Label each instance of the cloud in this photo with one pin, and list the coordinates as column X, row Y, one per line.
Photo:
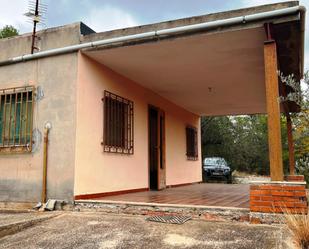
column 12, row 13
column 109, row 18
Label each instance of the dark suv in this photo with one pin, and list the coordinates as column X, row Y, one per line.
column 216, row 167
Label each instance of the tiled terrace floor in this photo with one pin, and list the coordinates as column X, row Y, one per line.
column 206, row 194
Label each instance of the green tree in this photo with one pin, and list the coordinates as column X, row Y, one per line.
column 242, row 141
column 217, row 137
column 252, row 150
column 8, row 31
column 300, row 121
column 301, row 132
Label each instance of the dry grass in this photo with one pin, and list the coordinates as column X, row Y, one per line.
column 299, row 227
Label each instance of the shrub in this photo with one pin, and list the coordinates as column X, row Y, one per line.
column 299, row 227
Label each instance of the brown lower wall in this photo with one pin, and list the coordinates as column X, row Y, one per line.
column 278, row 197
column 100, row 195
column 182, row 184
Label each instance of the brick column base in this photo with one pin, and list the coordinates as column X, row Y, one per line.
column 294, row 178
column 278, row 197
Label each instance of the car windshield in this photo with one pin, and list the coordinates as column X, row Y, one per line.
column 215, row 161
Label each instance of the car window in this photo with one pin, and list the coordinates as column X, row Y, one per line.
column 215, row 161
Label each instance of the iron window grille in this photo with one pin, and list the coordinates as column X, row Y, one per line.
column 16, row 119
column 118, row 124
column 191, row 141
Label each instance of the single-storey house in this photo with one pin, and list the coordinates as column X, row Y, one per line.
column 92, row 114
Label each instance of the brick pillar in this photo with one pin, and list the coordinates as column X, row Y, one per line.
column 278, row 197
column 294, row 178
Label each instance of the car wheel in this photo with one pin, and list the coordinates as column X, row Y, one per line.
column 229, row 178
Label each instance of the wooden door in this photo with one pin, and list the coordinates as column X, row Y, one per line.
column 157, row 169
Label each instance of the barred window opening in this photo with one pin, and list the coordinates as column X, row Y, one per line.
column 191, row 140
column 16, row 115
column 118, row 124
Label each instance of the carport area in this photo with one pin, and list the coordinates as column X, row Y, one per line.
column 204, row 194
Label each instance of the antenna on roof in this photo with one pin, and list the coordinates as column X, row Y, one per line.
column 35, row 14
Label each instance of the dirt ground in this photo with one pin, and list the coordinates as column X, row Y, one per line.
column 96, row 230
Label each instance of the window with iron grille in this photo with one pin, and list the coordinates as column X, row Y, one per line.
column 16, row 114
column 191, row 139
column 118, row 124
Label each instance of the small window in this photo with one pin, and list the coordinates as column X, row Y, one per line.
column 16, row 114
column 191, row 138
column 118, row 124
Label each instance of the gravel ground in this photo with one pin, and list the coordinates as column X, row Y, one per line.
column 95, row 230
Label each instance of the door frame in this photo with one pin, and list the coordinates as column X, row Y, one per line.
column 161, row 152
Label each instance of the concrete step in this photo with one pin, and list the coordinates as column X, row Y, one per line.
column 14, row 222
column 148, row 209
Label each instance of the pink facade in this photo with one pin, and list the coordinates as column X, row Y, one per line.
column 100, row 172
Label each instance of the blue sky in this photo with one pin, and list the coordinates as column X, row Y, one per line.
column 104, row 15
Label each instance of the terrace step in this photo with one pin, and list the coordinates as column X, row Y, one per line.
column 150, row 209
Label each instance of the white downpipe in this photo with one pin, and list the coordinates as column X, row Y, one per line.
column 158, row 33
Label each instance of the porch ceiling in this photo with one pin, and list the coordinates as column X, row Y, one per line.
column 207, row 74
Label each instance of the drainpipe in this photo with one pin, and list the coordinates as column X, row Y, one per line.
column 167, row 32
column 47, row 127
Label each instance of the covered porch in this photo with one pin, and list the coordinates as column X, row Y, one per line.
column 220, row 64
column 222, row 67
column 203, row 194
